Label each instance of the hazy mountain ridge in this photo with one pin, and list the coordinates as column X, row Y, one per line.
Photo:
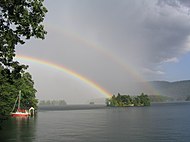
column 159, row 91
column 179, row 90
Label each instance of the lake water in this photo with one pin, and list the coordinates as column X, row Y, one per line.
column 167, row 122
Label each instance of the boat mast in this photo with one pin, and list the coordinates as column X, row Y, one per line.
column 15, row 104
column 19, row 97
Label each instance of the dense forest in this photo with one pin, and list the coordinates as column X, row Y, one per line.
column 126, row 100
column 20, row 20
column 10, row 85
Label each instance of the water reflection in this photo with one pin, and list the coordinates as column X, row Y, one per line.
column 19, row 129
column 160, row 122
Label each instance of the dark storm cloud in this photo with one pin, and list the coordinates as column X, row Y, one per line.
column 175, row 3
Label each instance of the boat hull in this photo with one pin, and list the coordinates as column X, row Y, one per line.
column 20, row 114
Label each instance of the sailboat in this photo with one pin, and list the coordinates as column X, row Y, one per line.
column 19, row 112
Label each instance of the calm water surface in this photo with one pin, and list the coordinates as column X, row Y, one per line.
column 169, row 122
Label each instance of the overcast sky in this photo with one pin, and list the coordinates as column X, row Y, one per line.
column 111, row 42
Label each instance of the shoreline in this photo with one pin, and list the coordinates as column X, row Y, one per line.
column 95, row 106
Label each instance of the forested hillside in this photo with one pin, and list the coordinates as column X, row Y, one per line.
column 179, row 90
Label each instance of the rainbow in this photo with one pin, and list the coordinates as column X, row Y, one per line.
column 68, row 72
column 109, row 54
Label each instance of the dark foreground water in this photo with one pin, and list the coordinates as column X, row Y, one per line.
column 169, row 122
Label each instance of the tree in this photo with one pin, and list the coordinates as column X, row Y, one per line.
column 126, row 100
column 20, row 20
column 137, row 101
column 26, row 85
column 144, row 99
column 9, row 90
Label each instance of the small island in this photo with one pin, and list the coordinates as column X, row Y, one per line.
column 126, row 100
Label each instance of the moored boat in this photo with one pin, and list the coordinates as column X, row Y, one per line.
column 19, row 112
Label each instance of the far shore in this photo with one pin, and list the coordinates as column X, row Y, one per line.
column 91, row 106
column 72, row 107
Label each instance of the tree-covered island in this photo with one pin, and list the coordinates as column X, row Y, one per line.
column 126, row 100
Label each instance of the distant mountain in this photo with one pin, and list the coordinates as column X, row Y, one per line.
column 178, row 90
column 158, row 91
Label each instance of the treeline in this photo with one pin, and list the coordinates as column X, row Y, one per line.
column 10, row 85
column 160, row 98
column 20, row 20
column 126, row 100
column 52, row 103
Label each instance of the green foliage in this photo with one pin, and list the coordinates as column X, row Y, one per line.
column 137, row 101
column 20, row 20
column 126, row 100
column 26, row 85
column 9, row 90
column 144, row 99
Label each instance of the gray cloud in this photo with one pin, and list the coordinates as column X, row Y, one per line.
column 145, row 32
column 175, row 3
